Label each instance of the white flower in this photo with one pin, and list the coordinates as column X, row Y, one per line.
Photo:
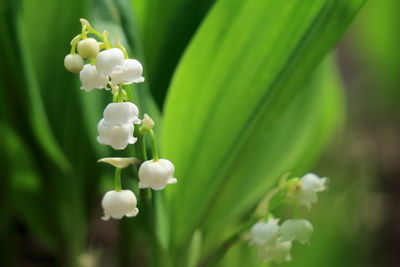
column 298, row 229
column 91, row 78
column 117, row 136
column 120, row 113
column 109, row 60
column 264, row 233
column 281, row 251
column 88, row 48
column 130, row 72
column 73, row 63
column 117, row 204
column 310, row 184
column 156, row 174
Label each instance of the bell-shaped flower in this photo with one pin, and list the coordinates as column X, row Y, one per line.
column 310, row 184
column 117, row 204
column 281, row 251
column 88, row 48
column 297, row 229
column 91, row 78
column 130, row 72
column 116, row 136
column 264, row 233
column 120, row 113
column 73, row 63
column 109, row 60
column 156, row 174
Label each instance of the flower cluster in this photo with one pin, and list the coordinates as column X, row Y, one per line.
column 109, row 67
column 273, row 241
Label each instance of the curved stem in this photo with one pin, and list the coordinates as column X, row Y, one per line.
column 123, row 51
column 74, row 42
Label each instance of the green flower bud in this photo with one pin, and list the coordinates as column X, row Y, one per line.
column 73, row 63
column 88, row 48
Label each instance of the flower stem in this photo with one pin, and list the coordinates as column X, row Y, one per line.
column 117, row 179
column 154, row 145
column 74, row 42
column 119, row 93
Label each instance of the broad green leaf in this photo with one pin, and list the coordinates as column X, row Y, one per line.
column 166, row 27
column 228, row 124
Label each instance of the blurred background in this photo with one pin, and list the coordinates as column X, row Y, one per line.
column 51, row 185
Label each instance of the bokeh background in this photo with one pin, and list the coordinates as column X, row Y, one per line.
column 51, row 185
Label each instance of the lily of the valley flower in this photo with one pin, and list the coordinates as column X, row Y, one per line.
column 156, row 174
column 281, row 251
column 116, row 136
column 117, row 204
column 297, row 229
column 310, row 184
column 73, row 63
column 264, row 233
column 88, row 48
column 109, row 60
column 130, row 72
column 121, row 113
column 91, row 78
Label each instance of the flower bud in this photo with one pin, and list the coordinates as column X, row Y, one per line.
column 298, row 229
column 120, row 113
column 264, row 233
column 156, row 174
column 131, row 72
column 91, row 78
column 116, row 136
column 117, row 204
column 109, row 60
column 73, row 63
column 88, row 48
column 147, row 122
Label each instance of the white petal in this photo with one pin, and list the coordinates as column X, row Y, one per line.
column 264, row 233
column 117, row 204
column 298, row 229
column 109, row 60
column 312, row 182
column 131, row 72
column 281, row 251
column 117, row 136
column 92, row 79
column 156, row 174
column 120, row 113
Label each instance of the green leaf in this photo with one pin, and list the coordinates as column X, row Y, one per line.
column 238, row 114
column 165, row 37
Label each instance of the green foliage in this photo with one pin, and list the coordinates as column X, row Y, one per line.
column 244, row 105
column 244, row 97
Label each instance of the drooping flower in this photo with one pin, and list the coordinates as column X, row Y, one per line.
column 88, row 48
column 116, row 136
column 156, row 174
column 297, row 229
column 73, row 63
column 310, row 184
column 120, row 113
column 264, row 233
column 130, row 72
column 91, row 78
column 117, row 204
column 109, row 60
column 281, row 251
